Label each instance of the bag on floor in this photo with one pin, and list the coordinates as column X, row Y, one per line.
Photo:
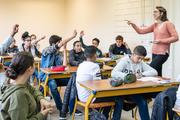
column 96, row 115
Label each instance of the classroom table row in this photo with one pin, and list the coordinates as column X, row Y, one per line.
column 102, row 88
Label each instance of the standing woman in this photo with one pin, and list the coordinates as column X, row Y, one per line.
column 20, row 101
column 164, row 34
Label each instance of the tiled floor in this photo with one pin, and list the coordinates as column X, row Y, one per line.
column 125, row 115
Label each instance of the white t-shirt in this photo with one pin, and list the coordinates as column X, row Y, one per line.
column 86, row 71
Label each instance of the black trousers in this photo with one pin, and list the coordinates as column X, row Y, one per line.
column 158, row 61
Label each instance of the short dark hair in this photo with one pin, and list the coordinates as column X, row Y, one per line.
column 97, row 40
column 25, row 35
column 90, row 51
column 119, row 37
column 19, row 64
column 140, row 50
column 54, row 39
column 164, row 15
column 74, row 43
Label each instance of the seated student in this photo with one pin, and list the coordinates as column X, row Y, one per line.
column 89, row 70
column 52, row 57
column 95, row 43
column 76, row 55
column 35, row 41
column 27, row 46
column 20, row 101
column 13, row 48
column 6, row 43
column 119, row 48
column 133, row 64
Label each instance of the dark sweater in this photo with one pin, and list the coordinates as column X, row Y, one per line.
column 76, row 58
column 115, row 50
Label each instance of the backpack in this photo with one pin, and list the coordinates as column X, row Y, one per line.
column 96, row 115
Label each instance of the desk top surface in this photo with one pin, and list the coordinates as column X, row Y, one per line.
column 71, row 69
column 103, row 85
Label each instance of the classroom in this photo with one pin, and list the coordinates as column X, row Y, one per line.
column 89, row 60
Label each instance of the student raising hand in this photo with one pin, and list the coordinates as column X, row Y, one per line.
column 15, row 30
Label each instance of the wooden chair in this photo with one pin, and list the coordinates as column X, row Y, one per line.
column 93, row 105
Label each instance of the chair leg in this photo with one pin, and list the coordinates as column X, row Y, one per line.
column 111, row 111
column 135, row 114
column 86, row 116
column 167, row 118
column 75, row 106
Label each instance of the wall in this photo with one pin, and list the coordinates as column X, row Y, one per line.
column 105, row 19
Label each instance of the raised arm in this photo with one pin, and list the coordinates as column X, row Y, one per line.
column 141, row 30
column 38, row 40
column 65, row 41
column 7, row 42
column 81, row 39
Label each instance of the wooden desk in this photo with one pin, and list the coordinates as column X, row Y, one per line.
column 5, row 59
column 9, row 58
column 56, row 75
column 102, row 88
column 107, row 61
column 106, row 70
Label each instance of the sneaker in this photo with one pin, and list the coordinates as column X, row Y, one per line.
column 78, row 113
column 62, row 118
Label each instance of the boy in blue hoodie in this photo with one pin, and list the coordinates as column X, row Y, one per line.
column 52, row 57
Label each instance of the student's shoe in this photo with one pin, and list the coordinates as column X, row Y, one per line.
column 62, row 118
column 78, row 113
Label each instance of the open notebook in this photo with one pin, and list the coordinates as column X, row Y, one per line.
column 154, row 79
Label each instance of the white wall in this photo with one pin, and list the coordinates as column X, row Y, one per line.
column 105, row 19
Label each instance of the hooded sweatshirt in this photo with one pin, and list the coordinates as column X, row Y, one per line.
column 126, row 66
column 20, row 102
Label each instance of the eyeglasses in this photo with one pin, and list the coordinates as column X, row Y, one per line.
column 28, row 40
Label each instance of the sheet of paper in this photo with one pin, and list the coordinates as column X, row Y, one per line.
column 154, row 79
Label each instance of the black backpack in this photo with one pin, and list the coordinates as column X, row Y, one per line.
column 96, row 115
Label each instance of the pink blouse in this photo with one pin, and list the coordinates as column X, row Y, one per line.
column 165, row 33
